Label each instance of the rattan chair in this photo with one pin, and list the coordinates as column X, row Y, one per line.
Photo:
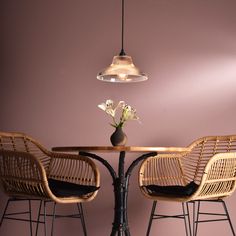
column 206, row 173
column 28, row 171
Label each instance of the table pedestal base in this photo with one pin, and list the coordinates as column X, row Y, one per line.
column 120, row 182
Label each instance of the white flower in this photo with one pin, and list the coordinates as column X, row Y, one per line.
column 127, row 112
column 108, row 107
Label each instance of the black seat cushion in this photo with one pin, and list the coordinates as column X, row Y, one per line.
column 172, row 190
column 66, row 189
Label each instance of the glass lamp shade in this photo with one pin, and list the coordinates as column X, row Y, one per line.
column 122, row 70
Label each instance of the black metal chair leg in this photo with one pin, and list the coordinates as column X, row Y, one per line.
column 30, row 218
column 53, row 217
column 189, row 221
column 44, row 218
column 38, row 218
column 194, row 218
column 5, row 210
column 195, row 224
column 80, row 208
column 185, row 221
column 227, row 215
column 151, row 217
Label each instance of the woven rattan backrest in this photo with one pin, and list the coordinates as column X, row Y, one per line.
column 201, row 152
column 23, row 143
column 76, row 169
column 161, row 171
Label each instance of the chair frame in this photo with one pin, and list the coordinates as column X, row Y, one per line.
column 32, row 165
column 206, row 156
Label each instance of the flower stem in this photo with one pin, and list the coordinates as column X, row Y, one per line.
column 114, row 120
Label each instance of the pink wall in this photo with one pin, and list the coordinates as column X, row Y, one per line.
column 51, row 51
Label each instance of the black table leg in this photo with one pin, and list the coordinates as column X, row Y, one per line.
column 120, row 225
column 120, row 183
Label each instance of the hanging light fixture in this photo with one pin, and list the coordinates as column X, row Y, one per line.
column 122, row 69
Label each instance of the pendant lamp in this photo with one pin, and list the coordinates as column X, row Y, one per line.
column 122, row 69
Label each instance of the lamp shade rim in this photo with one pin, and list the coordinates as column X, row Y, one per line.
column 122, row 70
column 116, row 79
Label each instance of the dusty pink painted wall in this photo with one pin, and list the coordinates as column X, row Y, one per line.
column 51, row 51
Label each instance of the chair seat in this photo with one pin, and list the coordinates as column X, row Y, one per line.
column 66, row 189
column 172, row 190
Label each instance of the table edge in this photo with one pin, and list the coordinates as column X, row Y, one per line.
column 119, row 149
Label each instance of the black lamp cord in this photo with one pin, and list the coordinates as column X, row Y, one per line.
column 122, row 52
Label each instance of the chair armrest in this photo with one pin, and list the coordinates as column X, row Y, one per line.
column 22, row 174
column 163, row 169
column 74, row 169
column 219, row 177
